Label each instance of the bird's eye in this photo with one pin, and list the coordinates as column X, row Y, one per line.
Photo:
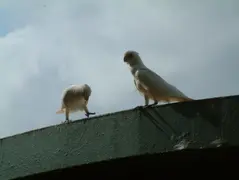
column 128, row 56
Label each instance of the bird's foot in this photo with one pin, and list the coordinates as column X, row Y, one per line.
column 155, row 103
column 150, row 105
column 89, row 113
column 146, row 106
column 139, row 107
column 67, row 121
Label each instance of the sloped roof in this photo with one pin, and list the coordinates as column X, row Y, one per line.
column 121, row 134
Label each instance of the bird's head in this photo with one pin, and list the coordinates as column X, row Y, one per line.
column 132, row 58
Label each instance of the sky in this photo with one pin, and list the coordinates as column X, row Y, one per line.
column 46, row 46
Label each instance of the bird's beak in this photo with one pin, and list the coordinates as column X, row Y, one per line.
column 125, row 59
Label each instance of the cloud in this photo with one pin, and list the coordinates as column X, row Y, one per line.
column 45, row 47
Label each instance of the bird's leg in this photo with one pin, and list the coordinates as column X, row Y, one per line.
column 147, row 102
column 90, row 113
column 155, row 103
column 87, row 113
column 67, row 116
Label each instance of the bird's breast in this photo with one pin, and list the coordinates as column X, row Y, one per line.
column 133, row 70
column 140, row 86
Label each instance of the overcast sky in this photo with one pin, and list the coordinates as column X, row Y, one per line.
column 47, row 45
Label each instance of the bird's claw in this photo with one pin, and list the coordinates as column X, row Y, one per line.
column 150, row 105
column 146, row 106
column 139, row 107
column 154, row 104
column 90, row 113
column 67, row 121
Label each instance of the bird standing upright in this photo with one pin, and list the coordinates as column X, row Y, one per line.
column 75, row 98
column 150, row 84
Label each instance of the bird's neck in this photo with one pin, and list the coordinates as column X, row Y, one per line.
column 135, row 67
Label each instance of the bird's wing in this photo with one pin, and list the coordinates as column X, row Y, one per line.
column 156, row 85
column 137, row 87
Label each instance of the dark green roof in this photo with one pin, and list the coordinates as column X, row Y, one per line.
column 120, row 134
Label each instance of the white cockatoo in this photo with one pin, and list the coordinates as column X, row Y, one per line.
column 75, row 98
column 150, row 84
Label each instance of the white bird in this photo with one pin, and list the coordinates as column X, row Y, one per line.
column 75, row 98
column 150, row 84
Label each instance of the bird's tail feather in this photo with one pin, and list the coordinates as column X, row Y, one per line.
column 60, row 111
column 180, row 99
column 172, row 99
